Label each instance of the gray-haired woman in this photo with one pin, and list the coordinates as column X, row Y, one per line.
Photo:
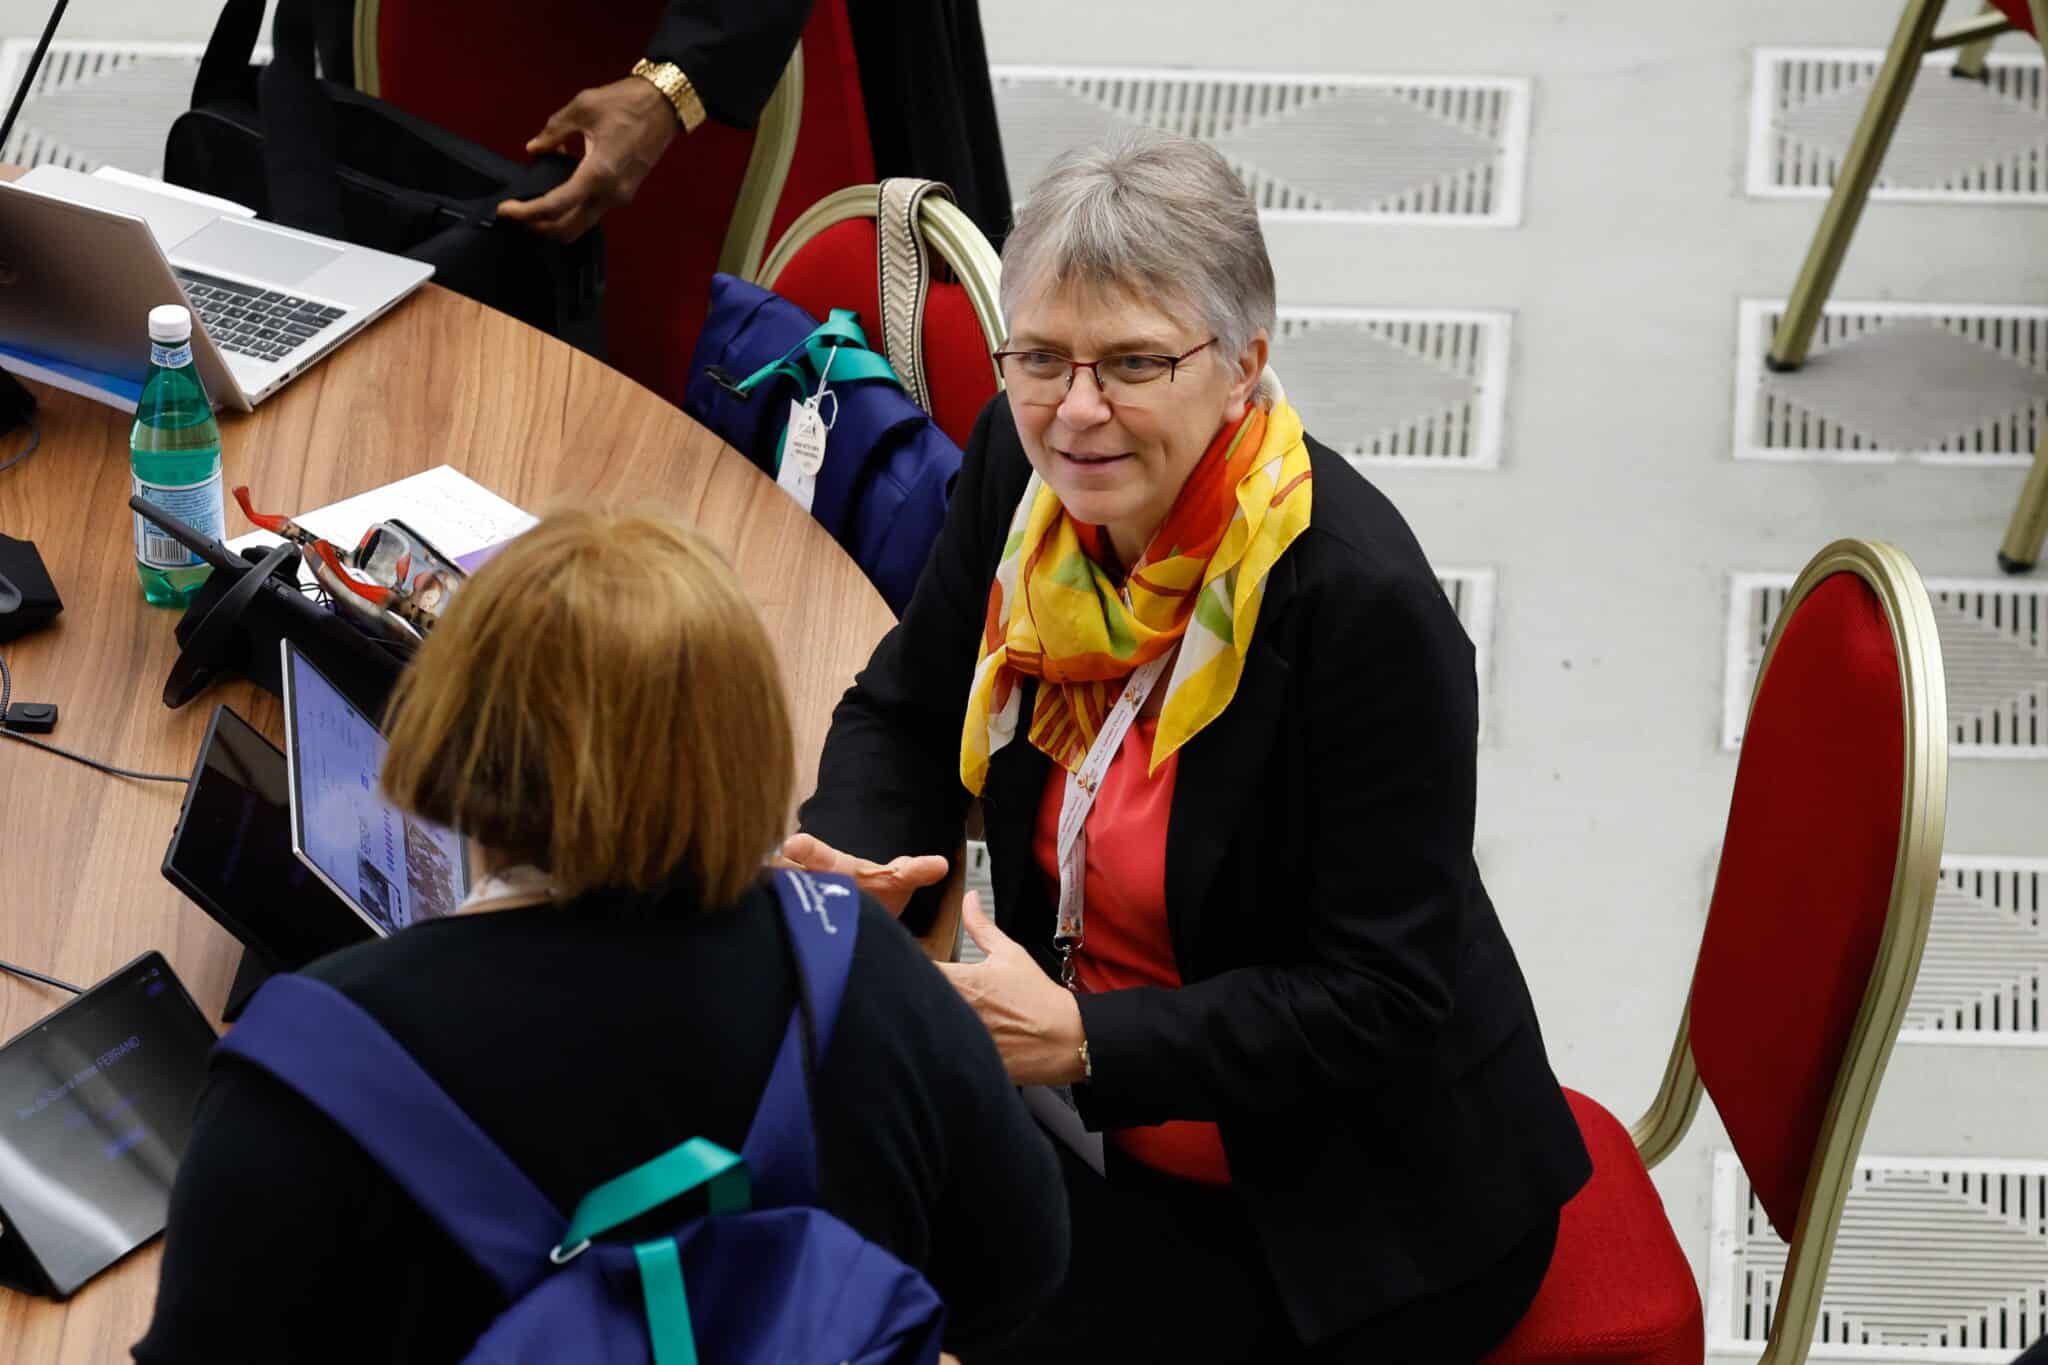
column 1222, row 722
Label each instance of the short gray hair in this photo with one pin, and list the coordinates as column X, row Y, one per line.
column 1154, row 213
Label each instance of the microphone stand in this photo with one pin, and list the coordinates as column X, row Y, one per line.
column 16, row 402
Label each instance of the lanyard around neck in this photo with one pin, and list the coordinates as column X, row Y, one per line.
column 509, row 888
column 1079, row 798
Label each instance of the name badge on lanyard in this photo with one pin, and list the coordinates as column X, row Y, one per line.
column 1079, row 799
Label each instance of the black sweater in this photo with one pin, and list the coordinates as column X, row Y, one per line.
column 585, row 1039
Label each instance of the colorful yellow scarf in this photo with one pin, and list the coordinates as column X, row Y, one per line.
column 1198, row 585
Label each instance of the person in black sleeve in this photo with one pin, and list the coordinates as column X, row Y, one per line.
column 924, row 81
column 602, row 714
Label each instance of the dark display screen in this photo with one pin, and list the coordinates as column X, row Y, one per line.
column 96, row 1106
column 233, row 855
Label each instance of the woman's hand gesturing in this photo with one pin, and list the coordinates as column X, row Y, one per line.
column 1034, row 1020
column 891, row 883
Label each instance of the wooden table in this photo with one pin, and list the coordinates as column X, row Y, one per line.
column 440, row 380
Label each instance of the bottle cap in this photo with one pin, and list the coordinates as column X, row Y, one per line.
column 170, row 322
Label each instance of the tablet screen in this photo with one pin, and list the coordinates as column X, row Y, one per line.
column 394, row 869
column 96, row 1106
column 232, row 853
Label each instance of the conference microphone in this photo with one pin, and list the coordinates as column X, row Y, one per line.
column 16, row 402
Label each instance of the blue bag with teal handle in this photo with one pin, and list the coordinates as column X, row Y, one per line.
column 888, row 471
column 763, row 1276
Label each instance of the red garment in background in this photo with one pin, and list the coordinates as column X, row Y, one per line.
column 1124, row 939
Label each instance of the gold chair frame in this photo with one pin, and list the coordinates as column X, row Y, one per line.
column 1923, row 809
column 950, row 231
column 768, row 164
column 1912, row 41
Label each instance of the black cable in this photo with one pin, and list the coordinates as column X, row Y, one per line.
column 35, row 438
column 106, row 768
column 7, row 689
column 38, row 976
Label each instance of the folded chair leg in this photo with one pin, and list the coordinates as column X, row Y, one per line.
column 1852, row 184
column 2030, row 518
column 1970, row 57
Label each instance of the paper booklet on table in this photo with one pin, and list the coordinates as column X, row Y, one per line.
column 464, row 520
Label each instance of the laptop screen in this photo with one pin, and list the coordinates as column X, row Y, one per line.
column 96, row 1106
column 394, row 869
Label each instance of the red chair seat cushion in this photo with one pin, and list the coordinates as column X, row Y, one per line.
column 2017, row 11
column 1619, row 1290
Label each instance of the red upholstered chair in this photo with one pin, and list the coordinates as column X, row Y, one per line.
column 827, row 260
column 1812, row 943
column 833, row 150
column 1913, row 40
column 494, row 72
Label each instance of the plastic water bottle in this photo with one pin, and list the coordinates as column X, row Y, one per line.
column 174, row 456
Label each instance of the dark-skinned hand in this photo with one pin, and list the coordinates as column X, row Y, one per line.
column 625, row 127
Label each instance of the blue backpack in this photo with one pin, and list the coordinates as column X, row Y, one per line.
column 771, row 1278
column 888, row 471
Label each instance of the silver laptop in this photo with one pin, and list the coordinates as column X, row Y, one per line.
column 393, row 869
column 83, row 259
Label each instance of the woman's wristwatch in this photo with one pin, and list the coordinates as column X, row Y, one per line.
column 675, row 87
column 1087, row 1067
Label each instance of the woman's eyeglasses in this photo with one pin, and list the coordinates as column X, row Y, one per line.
column 1046, row 377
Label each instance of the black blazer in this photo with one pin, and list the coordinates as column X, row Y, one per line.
column 1353, row 1018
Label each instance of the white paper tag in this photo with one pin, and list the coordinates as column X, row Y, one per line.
column 791, row 477
column 806, row 442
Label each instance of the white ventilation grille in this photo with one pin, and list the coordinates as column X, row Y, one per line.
column 1987, row 955
column 97, row 104
column 1994, row 645
column 1337, row 148
column 1937, row 1261
column 1398, row 387
column 978, row 879
column 1940, row 383
column 1959, row 141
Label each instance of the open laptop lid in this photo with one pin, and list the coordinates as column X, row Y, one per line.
column 96, row 1106
column 232, row 853
column 392, row 869
column 77, row 282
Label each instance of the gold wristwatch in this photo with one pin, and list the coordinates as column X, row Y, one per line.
column 675, row 87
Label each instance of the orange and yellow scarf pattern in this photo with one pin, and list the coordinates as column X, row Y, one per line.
column 1054, row 614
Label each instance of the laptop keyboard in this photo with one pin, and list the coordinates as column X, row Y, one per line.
column 260, row 323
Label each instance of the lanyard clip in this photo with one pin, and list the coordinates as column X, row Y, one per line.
column 1064, row 945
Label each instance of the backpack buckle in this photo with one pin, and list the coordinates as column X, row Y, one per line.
column 561, row 1257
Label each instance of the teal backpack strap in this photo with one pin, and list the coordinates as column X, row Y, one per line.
column 651, row 1184
column 837, row 349
column 668, row 1307
column 647, row 1187
column 840, row 332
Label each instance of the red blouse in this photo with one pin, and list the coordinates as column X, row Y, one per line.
column 1124, row 941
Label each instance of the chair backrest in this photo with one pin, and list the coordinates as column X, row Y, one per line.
column 1821, row 903
column 493, row 72
column 835, row 150
column 827, row 260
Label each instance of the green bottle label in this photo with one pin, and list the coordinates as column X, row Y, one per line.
column 173, row 357
column 198, row 505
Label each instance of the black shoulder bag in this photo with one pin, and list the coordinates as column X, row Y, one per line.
column 323, row 157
